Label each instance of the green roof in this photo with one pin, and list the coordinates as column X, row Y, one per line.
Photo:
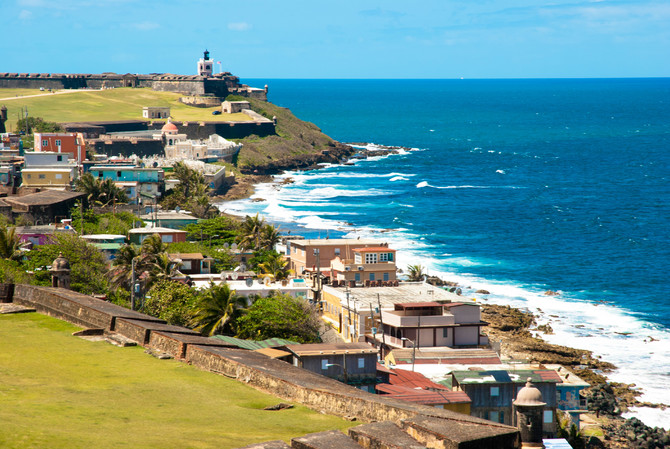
column 108, row 246
column 254, row 344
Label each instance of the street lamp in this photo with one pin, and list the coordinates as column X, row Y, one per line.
column 133, row 285
column 413, row 350
column 344, row 370
column 210, row 239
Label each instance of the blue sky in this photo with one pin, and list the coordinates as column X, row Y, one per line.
column 341, row 39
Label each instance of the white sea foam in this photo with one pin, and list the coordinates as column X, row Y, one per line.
column 398, row 178
column 639, row 349
column 423, row 184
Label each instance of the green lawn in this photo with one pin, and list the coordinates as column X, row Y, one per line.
column 60, row 391
column 110, row 104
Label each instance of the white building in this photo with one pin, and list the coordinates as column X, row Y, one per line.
column 215, row 147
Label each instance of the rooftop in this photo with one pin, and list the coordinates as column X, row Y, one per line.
column 406, row 292
column 505, row 376
column 333, row 242
column 155, row 230
column 44, row 198
column 331, row 348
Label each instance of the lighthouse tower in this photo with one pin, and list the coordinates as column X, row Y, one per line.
column 205, row 65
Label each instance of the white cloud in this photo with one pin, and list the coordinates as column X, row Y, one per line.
column 239, row 26
column 25, row 14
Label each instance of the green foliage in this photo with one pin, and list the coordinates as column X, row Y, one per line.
column 108, row 223
column 217, row 310
column 10, row 244
column 192, row 192
column 99, row 191
column 171, row 301
column 87, row 265
column 225, row 228
column 415, row 273
column 12, row 272
column 255, row 234
column 275, row 266
column 280, row 316
column 38, row 125
column 569, row 430
column 262, row 257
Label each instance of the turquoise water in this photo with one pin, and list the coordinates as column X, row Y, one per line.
column 516, row 186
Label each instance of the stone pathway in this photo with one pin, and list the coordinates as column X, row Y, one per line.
column 7, row 308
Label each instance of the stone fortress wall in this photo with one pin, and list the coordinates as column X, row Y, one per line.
column 219, row 85
column 427, row 424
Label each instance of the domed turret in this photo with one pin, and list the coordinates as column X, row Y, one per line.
column 169, row 128
column 60, row 272
column 529, row 406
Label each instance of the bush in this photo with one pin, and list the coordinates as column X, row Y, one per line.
column 171, row 301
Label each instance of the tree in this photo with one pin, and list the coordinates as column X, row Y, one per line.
column 103, row 192
column 251, row 232
column 111, row 194
column 192, row 192
column 224, row 227
column 270, row 236
column 217, row 310
column 415, row 273
column 161, row 268
column 153, row 245
column 10, row 244
column 88, row 267
column 280, row 316
column 121, row 273
column 275, row 266
column 171, row 301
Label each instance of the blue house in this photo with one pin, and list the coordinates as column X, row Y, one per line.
column 136, row 181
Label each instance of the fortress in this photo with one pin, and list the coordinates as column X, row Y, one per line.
column 205, row 83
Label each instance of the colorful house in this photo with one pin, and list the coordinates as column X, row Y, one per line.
column 136, row 181
column 370, row 265
column 71, row 143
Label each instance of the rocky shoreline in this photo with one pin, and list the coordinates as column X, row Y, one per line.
column 513, row 327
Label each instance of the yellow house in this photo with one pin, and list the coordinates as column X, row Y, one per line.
column 58, row 178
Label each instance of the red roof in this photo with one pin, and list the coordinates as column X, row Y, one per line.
column 412, row 379
column 452, row 304
column 169, row 126
column 426, row 397
column 549, row 375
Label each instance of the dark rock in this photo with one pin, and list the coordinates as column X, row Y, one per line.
column 483, row 292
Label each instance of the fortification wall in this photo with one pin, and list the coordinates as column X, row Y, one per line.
column 272, row 376
column 126, row 147
column 228, row 130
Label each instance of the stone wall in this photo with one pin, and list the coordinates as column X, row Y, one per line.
column 263, row 373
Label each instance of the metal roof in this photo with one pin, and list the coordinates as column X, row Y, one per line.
column 253, row 344
column 331, row 348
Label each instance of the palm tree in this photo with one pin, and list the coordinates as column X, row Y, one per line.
column 415, row 273
column 270, row 236
column 10, row 244
column 153, row 246
column 121, row 273
column 89, row 185
column 276, row 267
column 111, row 194
column 217, row 310
column 160, row 268
column 251, row 232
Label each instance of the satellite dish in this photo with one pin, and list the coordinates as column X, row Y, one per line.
column 267, row 281
column 226, row 245
column 243, row 267
column 177, row 208
column 233, row 246
column 249, row 282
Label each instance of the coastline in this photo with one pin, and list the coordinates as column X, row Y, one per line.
column 518, row 342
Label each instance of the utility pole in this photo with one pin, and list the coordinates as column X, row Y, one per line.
column 381, row 323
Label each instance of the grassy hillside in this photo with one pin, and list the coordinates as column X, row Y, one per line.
column 59, row 391
column 98, row 105
column 296, row 141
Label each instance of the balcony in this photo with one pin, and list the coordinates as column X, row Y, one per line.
column 396, row 319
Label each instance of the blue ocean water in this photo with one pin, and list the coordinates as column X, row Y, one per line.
column 518, row 186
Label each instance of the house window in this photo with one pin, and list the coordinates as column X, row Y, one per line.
column 59, row 158
column 357, row 276
column 361, row 362
column 372, row 276
column 167, row 239
column 548, row 416
column 45, row 143
column 41, row 176
column 28, row 176
column 494, row 416
column 495, row 391
column 386, row 276
column 371, row 258
column 59, row 176
column 445, row 332
column 383, row 257
column 337, row 251
column 324, row 364
column 118, row 174
column 99, row 174
column 57, row 142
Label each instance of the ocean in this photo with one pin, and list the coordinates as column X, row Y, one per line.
column 512, row 186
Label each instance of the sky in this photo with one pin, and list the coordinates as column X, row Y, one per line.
column 341, row 39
